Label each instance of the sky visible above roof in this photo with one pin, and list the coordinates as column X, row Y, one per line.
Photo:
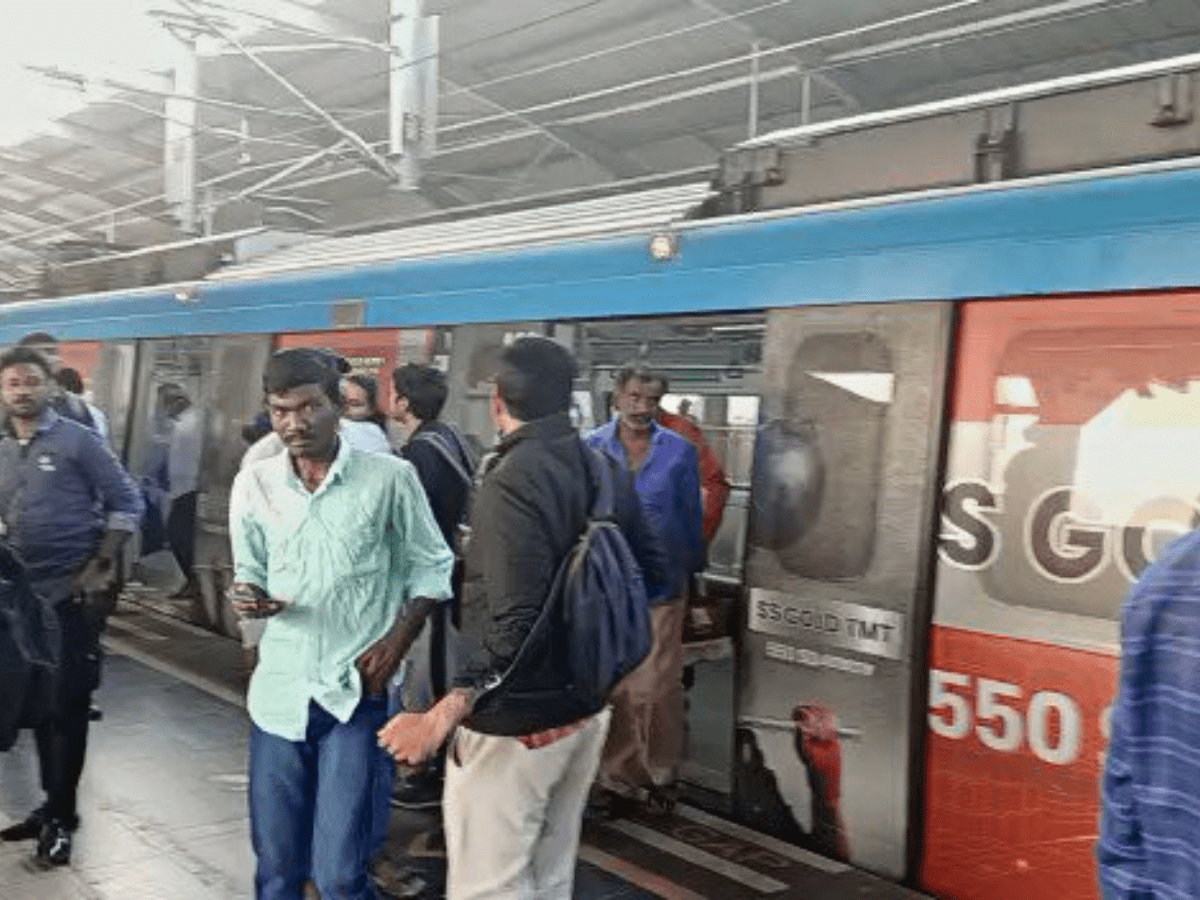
column 113, row 38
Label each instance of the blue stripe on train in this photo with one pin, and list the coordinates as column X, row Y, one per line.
column 1102, row 234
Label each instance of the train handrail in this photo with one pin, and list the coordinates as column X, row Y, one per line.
column 802, row 134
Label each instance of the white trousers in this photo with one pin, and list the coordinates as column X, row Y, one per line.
column 513, row 815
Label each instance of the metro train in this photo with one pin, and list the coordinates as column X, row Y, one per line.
column 959, row 420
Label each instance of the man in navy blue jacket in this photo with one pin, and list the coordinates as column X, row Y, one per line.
column 67, row 507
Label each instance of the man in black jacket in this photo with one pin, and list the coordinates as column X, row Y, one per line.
column 524, row 755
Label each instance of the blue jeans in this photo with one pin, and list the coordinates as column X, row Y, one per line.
column 311, row 805
column 385, row 774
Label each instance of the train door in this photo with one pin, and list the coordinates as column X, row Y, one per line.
column 1072, row 462
column 232, row 398
column 842, row 507
column 713, row 365
column 220, row 378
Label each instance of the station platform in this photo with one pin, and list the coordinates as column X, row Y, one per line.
column 163, row 802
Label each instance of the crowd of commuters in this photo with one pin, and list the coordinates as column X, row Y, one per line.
column 392, row 589
column 398, row 593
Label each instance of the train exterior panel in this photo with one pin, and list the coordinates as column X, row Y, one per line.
column 1076, row 426
column 842, row 501
column 1050, row 323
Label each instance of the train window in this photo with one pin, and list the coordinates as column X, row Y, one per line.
column 819, row 466
column 1086, row 471
column 470, row 354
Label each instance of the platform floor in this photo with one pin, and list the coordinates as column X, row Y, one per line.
column 163, row 802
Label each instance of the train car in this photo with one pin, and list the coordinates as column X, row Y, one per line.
column 959, row 412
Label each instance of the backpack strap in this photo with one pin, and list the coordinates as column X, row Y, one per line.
column 442, row 446
column 600, row 474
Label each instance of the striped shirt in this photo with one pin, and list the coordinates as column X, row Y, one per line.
column 1149, row 846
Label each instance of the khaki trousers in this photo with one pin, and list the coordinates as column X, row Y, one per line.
column 644, row 750
column 512, row 815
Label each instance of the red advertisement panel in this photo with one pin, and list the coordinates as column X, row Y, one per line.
column 83, row 356
column 1071, row 466
column 1017, row 731
column 375, row 352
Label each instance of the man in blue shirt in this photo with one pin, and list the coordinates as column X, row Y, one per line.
column 645, row 742
column 67, row 506
column 1150, row 809
column 339, row 549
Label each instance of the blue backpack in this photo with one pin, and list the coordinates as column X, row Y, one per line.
column 597, row 616
column 599, row 597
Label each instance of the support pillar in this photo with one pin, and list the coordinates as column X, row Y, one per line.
column 413, row 89
column 179, row 144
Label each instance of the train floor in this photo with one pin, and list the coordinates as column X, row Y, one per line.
column 164, row 808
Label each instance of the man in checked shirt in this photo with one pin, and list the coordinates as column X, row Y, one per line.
column 1150, row 816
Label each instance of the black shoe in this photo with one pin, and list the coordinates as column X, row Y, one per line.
column 396, row 882
column 95, row 713
column 604, row 805
column 418, row 792
column 24, row 831
column 54, row 844
column 427, row 845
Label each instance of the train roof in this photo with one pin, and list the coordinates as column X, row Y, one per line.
column 636, row 213
column 1134, row 228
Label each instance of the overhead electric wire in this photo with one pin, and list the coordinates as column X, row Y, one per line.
column 112, row 211
column 580, row 98
column 510, row 114
column 1000, row 28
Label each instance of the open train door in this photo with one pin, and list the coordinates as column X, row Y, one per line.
column 843, row 499
column 222, row 377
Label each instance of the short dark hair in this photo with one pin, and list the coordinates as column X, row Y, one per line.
column 288, row 369
column 25, row 356
column 535, row 378
column 69, row 380
column 333, row 358
column 424, row 387
column 38, row 339
column 641, row 372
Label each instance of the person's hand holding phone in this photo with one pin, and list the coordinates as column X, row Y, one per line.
column 251, row 602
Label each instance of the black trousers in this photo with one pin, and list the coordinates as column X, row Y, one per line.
column 181, row 530
column 62, row 740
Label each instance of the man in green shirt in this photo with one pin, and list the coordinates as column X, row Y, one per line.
column 340, row 550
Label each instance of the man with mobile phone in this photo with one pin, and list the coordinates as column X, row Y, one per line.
column 339, row 550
